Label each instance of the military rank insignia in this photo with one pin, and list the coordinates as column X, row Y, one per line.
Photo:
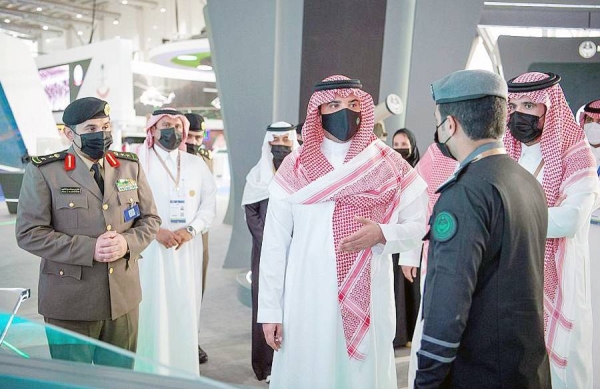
column 444, row 226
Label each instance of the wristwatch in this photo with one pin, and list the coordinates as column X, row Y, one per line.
column 191, row 230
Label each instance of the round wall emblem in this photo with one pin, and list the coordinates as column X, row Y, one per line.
column 587, row 49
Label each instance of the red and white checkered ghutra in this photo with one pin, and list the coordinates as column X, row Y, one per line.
column 567, row 158
column 372, row 190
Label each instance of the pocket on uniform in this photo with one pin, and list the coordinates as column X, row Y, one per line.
column 68, row 208
column 128, row 197
column 61, row 269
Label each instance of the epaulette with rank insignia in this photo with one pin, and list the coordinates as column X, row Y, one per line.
column 44, row 159
column 126, row 155
column 205, row 153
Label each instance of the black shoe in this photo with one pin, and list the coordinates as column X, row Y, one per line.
column 202, row 356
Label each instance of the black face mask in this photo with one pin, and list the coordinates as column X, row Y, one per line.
column 404, row 152
column 279, row 153
column 342, row 124
column 169, row 138
column 192, row 149
column 94, row 145
column 524, row 127
column 443, row 146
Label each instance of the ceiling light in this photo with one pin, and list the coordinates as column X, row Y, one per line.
column 163, row 10
column 45, row 28
column 124, row 2
column 154, row 27
column 6, row 20
column 204, row 67
column 80, row 33
column 187, row 57
column 39, row 9
column 79, row 16
column 116, row 21
column 48, row 40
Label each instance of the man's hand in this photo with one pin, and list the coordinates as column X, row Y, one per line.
column 273, row 334
column 367, row 236
column 110, row 246
column 184, row 236
column 410, row 272
column 167, row 238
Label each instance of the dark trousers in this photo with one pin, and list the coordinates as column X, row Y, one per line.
column 262, row 353
column 121, row 332
column 407, row 297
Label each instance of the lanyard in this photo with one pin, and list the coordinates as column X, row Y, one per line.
column 488, row 153
column 175, row 180
column 539, row 168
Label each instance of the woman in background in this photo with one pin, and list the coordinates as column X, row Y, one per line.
column 406, row 293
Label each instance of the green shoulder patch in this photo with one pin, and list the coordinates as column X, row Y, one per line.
column 205, row 153
column 444, row 226
column 126, row 155
column 44, row 159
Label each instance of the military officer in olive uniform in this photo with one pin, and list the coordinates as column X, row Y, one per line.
column 483, row 294
column 88, row 213
column 194, row 146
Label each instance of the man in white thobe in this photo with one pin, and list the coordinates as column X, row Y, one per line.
column 278, row 143
column 546, row 140
column 184, row 191
column 338, row 208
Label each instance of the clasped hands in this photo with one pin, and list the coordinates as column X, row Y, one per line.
column 110, row 246
column 175, row 238
column 367, row 236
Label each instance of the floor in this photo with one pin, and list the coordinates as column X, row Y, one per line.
column 225, row 324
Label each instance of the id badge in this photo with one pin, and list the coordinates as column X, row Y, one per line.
column 177, row 211
column 131, row 213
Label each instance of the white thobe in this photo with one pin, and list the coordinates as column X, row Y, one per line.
column 570, row 220
column 171, row 279
column 594, row 238
column 298, row 286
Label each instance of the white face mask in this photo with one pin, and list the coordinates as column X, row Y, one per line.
column 592, row 131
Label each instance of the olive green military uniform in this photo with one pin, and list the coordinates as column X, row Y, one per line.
column 207, row 158
column 60, row 215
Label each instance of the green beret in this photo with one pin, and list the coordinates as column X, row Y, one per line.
column 468, row 85
column 84, row 109
column 196, row 122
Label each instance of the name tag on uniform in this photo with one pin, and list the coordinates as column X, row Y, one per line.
column 70, row 190
column 177, row 211
column 124, row 184
column 131, row 213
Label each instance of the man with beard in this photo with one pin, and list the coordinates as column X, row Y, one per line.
column 184, row 191
column 193, row 146
column 546, row 140
column 88, row 213
column 338, row 207
column 279, row 141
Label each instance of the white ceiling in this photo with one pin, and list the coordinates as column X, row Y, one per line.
column 52, row 25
